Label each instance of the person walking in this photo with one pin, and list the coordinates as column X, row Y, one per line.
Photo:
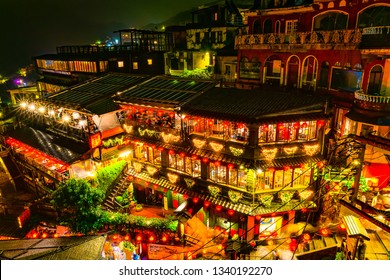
column 361, row 250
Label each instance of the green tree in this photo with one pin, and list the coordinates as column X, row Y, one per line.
column 79, row 205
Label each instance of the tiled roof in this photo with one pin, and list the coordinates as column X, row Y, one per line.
column 164, row 91
column 258, row 105
column 62, row 148
column 62, row 248
column 95, row 95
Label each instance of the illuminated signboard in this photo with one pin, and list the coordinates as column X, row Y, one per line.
column 95, row 140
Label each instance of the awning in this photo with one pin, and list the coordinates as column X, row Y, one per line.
column 354, row 227
column 61, row 148
column 367, row 117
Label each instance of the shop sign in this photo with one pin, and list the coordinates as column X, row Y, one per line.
column 95, row 140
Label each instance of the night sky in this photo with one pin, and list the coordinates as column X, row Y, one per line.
column 35, row 27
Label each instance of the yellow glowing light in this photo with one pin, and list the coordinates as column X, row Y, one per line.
column 66, row 118
column 172, row 178
column 290, row 150
column 51, row 112
column 199, row 143
column 82, row 123
column 216, row 146
column 137, row 166
column 41, row 110
column 269, row 154
column 125, row 153
column 151, row 170
column 128, row 128
column 236, row 151
column 23, row 105
column 189, row 182
column 31, row 107
column 169, row 137
column 311, row 149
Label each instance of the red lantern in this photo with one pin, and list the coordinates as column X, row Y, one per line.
column 171, row 152
column 195, row 200
column 44, row 235
column 182, row 154
column 320, row 123
column 127, row 238
column 206, row 204
column 320, row 164
column 160, row 149
column 252, row 243
column 151, row 238
column 190, row 210
column 324, row 231
column 286, row 168
column 165, row 190
column 342, row 226
column 296, row 125
column 217, row 163
column 230, row 166
column 164, row 238
column 155, row 186
column 194, row 157
column 281, row 126
column 304, row 125
column 230, row 212
column 185, row 196
column 306, row 237
column 265, row 128
column 138, row 238
column 218, row 208
column 205, row 160
column 258, row 217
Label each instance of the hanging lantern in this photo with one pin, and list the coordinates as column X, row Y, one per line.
column 44, row 235
column 182, row 154
column 304, row 125
column 265, row 127
column 152, row 239
column 164, row 238
column 306, row 237
column 258, row 217
column 165, row 190
column 155, row 186
column 171, row 152
column 195, row 200
column 218, row 208
column 206, row 204
column 252, row 243
column 230, row 166
column 230, row 212
column 194, row 157
column 127, row 238
column 138, row 238
column 296, row 125
column 286, row 168
column 185, row 196
column 205, row 160
column 320, row 123
column 281, row 126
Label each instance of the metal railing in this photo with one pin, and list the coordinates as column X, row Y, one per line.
column 359, row 95
column 331, row 37
column 376, row 30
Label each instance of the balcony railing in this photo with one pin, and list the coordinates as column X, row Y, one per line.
column 376, row 30
column 375, row 37
column 372, row 98
column 321, row 39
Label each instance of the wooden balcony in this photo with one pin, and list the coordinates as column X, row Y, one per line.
column 319, row 40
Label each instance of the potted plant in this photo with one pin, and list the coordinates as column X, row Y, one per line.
column 128, row 248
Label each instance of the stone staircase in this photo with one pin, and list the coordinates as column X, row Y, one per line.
column 110, row 202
